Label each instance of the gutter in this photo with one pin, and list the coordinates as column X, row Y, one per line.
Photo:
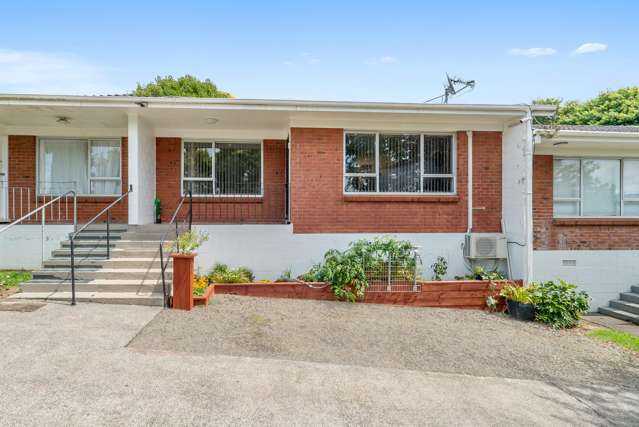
column 262, row 104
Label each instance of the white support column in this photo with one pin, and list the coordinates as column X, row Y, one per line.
column 141, row 156
column 4, row 176
column 469, row 137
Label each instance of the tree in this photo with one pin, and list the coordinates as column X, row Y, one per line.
column 182, row 86
column 619, row 107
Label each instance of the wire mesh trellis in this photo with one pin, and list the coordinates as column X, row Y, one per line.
column 394, row 275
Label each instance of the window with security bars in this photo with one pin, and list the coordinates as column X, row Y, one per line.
column 399, row 163
column 222, row 168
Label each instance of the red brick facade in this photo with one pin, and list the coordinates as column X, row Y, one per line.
column 318, row 204
column 268, row 209
column 574, row 234
column 22, row 174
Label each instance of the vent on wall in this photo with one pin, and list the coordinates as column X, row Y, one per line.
column 569, row 262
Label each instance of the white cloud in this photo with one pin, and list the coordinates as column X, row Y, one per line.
column 533, row 52
column 287, row 62
column 590, row 48
column 51, row 73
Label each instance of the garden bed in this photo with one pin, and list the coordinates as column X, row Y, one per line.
column 469, row 294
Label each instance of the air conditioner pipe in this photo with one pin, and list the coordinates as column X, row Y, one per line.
column 469, row 137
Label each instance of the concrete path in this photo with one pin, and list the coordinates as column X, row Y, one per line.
column 612, row 323
column 65, row 365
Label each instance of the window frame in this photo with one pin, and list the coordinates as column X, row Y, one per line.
column 580, row 159
column 212, row 178
column 87, row 141
column 376, row 174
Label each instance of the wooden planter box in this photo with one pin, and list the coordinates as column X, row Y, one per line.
column 204, row 299
column 469, row 294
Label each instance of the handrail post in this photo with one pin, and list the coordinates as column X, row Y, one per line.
column 190, row 209
column 75, row 212
column 72, row 272
column 164, row 297
column 108, row 231
column 42, row 241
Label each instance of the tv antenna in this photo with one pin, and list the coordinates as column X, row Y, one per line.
column 453, row 86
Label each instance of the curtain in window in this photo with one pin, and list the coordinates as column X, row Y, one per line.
column 360, row 159
column 63, row 166
column 438, row 160
column 198, row 167
column 399, row 163
column 238, row 169
column 105, row 167
column 631, row 187
column 601, row 193
column 566, row 187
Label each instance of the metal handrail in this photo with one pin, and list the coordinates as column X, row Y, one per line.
column 164, row 265
column 44, row 206
column 106, row 210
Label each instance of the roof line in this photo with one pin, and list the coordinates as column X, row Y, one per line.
column 295, row 105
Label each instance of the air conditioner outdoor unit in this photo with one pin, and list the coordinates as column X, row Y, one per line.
column 485, row 246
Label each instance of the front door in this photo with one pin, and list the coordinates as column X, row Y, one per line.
column 4, row 179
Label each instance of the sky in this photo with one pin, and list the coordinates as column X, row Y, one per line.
column 394, row 51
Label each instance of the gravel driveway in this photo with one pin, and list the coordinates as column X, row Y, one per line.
column 442, row 340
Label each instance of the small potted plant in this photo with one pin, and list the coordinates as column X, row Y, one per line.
column 519, row 302
column 182, row 250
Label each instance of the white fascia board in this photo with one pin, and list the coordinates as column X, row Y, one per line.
column 266, row 105
column 231, row 134
column 387, row 125
column 103, row 132
column 545, row 136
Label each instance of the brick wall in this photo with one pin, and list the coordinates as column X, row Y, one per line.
column 318, row 204
column 574, row 234
column 268, row 209
column 22, row 174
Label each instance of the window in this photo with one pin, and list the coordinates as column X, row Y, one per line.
column 222, row 168
column 595, row 187
column 85, row 166
column 398, row 163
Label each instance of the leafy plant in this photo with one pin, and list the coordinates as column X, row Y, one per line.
column 346, row 271
column 559, row 304
column 617, row 107
column 200, row 283
column 521, row 294
column 10, row 279
column 186, row 85
column 479, row 273
column 221, row 273
column 286, row 276
column 187, row 242
column 439, row 267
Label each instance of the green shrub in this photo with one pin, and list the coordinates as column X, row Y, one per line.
column 521, row 294
column 10, row 279
column 439, row 267
column 480, row 273
column 286, row 276
column 559, row 304
column 187, row 242
column 346, row 271
column 221, row 273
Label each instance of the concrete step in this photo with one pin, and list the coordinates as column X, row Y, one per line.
column 625, row 306
column 634, row 289
column 620, row 314
column 101, row 285
column 102, row 227
column 92, row 235
column 102, row 273
column 630, row 297
column 130, row 298
column 80, row 263
column 130, row 235
column 149, row 252
column 88, row 243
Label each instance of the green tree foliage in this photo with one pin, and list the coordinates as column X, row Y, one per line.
column 182, row 86
column 619, row 107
